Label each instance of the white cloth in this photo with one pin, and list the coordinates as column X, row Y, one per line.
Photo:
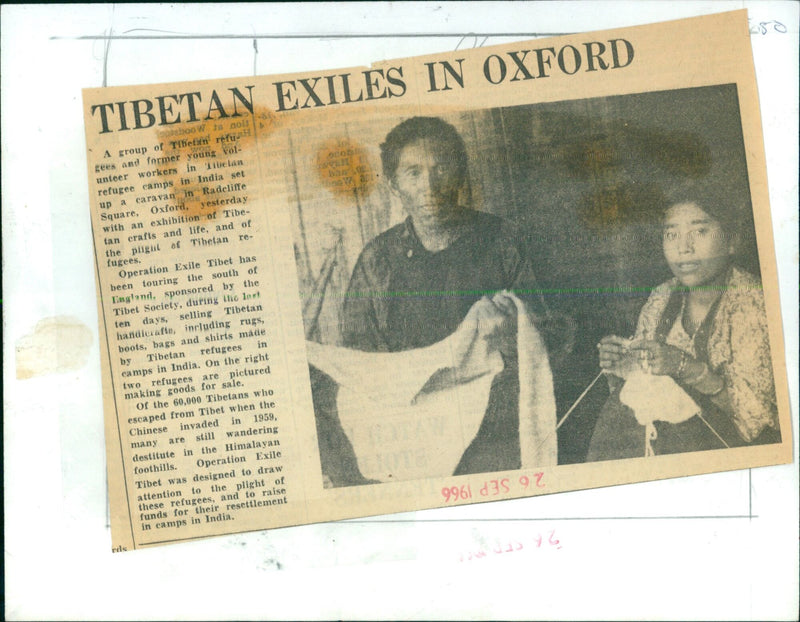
column 656, row 398
column 412, row 414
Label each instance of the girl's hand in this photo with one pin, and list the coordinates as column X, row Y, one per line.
column 615, row 356
column 659, row 358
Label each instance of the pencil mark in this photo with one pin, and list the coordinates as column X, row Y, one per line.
column 161, row 30
column 376, row 35
column 763, row 28
column 475, row 42
column 551, row 518
column 106, row 49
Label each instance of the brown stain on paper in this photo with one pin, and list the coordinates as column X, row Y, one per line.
column 228, row 137
column 56, row 345
column 343, row 168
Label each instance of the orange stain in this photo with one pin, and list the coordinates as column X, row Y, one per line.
column 200, row 153
column 343, row 168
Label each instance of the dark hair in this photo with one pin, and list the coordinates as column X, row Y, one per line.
column 416, row 128
column 727, row 203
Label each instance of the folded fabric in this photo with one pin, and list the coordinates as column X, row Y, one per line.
column 537, row 401
column 412, row 414
column 657, row 398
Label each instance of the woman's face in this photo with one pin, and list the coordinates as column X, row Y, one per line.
column 427, row 182
column 695, row 245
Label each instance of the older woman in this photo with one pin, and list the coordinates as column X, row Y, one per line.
column 706, row 329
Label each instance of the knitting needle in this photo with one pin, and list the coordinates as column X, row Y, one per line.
column 578, row 401
column 569, row 412
column 721, row 440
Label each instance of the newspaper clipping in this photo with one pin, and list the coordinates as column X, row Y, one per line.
column 466, row 277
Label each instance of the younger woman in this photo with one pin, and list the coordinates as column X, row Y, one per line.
column 706, row 328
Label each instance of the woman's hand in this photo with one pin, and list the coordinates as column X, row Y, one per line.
column 615, row 355
column 664, row 360
column 660, row 359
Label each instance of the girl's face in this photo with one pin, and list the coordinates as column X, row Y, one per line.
column 695, row 245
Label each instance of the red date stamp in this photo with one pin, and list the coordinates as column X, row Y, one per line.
column 493, row 487
column 512, row 546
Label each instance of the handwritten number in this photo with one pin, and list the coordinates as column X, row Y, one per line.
column 763, row 28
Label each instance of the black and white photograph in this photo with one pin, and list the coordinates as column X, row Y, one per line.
column 488, row 290
column 417, row 310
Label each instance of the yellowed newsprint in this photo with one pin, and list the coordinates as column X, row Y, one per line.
column 466, row 277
